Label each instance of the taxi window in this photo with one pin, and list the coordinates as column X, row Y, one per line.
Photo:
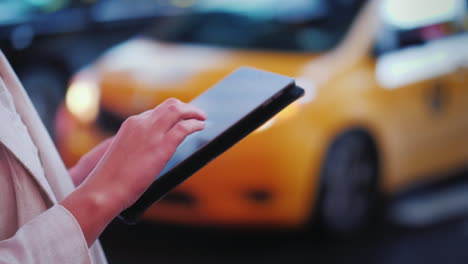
column 19, row 11
column 420, row 40
column 296, row 25
column 408, row 23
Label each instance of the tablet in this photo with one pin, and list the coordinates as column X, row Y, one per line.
column 235, row 107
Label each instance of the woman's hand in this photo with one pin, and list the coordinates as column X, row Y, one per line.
column 136, row 155
column 143, row 146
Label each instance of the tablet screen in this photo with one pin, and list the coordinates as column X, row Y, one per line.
column 226, row 103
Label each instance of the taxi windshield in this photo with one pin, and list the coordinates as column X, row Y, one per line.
column 19, row 11
column 296, row 25
column 418, row 22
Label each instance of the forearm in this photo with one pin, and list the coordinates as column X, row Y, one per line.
column 93, row 207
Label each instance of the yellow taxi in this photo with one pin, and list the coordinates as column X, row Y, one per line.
column 385, row 108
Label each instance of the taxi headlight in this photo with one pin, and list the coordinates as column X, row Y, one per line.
column 82, row 100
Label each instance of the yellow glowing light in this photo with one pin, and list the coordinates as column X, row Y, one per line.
column 265, row 126
column 82, row 100
column 286, row 113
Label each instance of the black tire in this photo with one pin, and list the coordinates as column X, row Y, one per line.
column 46, row 87
column 349, row 193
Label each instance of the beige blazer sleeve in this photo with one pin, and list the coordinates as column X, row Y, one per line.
column 34, row 228
column 51, row 237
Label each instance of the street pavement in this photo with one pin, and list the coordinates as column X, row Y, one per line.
column 438, row 233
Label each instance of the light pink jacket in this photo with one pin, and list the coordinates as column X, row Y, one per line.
column 34, row 228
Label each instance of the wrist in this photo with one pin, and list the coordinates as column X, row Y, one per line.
column 93, row 210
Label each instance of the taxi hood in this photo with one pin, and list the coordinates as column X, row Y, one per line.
column 141, row 73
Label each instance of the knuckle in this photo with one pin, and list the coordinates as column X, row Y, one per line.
column 172, row 101
column 130, row 122
column 175, row 108
column 200, row 125
column 183, row 127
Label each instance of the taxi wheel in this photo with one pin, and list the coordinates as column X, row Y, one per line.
column 349, row 195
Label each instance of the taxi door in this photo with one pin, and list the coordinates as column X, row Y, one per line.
column 422, row 47
column 458, row 119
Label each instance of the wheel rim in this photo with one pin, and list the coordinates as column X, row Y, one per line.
column 349, row 184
